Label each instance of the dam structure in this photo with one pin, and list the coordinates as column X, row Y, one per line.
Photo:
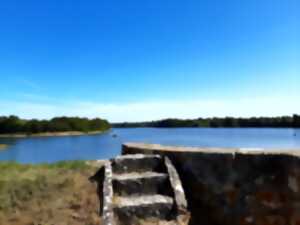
column 155, row 184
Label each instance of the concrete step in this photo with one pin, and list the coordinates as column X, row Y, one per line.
column 141, row 183
column 137, row 163
column 155, row 221
column 144, row 206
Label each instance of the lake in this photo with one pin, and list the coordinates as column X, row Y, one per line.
column 104, row 146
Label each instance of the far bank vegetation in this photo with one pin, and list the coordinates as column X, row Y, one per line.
column 215, row 122
column 15, row 125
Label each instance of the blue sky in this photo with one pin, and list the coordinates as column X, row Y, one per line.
column 142, row 60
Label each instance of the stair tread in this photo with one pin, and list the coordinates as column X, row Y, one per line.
column 142, row 200
column 137, row 175
column 155, row 221
column 137, row 156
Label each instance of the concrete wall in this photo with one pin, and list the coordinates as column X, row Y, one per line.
column 235, row 186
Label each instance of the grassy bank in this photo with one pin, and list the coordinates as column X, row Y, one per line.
column 51, row 134
column 57, row 193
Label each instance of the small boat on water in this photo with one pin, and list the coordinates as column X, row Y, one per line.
column 3, row 146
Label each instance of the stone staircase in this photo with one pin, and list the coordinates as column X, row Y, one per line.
column 141, row 189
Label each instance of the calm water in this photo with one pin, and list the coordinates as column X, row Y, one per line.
column 51, row 149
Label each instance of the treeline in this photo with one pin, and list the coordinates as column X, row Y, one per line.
column 275, row 122
column 13, row 124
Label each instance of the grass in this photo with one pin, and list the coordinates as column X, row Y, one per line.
column 48, row 194
column 16, row 171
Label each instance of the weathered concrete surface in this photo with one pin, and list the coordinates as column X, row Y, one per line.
column 142, row 206
column 136, row 163
column 133, row 183
column 235, row 186
column 137, row 188
column 183, row 215
column 108, row 213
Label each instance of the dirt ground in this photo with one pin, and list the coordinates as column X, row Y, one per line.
column 57, row 194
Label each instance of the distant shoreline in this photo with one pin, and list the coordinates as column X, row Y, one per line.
column 219, row 122
column 51, row 134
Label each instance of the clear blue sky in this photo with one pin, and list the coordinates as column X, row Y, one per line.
column 141, row 60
